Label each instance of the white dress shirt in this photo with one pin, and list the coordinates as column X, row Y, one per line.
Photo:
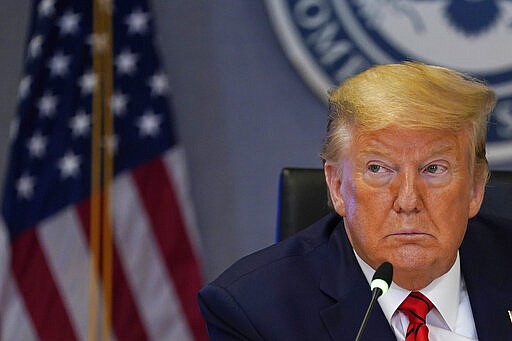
column 450, row 319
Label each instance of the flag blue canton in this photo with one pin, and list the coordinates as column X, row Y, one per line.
column 49, row 163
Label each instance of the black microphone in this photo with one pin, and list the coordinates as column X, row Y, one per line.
column 381, row 281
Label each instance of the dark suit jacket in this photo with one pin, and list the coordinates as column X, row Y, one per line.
column 310, row 287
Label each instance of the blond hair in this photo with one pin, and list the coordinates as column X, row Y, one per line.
column 413, row 96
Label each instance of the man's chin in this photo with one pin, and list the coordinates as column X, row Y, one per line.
column 412, row 258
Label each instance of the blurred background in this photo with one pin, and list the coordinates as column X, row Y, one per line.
column 247, row 103
column 242, row 113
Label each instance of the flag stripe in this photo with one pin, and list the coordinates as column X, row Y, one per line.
column 145, row 267
column 67, row 253
column 38, row 288
column 15, row 324
column 160, row 202
column 174, row 161
column 127, row 323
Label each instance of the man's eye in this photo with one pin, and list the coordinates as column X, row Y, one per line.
column 432, row 168
column 375, row 168
column 435, row 169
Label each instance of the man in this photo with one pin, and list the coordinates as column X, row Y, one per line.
column 404, row 161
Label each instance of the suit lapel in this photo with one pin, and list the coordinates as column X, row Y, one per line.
column 345, row 283
column 343, row 320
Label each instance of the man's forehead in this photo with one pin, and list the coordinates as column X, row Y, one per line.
column 388, row 141
column 383, row 148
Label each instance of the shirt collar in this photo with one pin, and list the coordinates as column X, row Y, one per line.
column 443, row 292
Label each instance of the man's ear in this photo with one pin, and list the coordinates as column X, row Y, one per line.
column 332, row 173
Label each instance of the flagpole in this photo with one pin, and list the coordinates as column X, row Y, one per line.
column 108, row 171
column 101, row 174
column 95, row 201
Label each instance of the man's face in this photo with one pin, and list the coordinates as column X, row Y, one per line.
column 406, row 197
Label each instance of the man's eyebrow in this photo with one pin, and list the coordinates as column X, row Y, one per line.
column 442, row 149
column 373, row 150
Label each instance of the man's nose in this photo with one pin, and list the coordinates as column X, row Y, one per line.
column 407, row 194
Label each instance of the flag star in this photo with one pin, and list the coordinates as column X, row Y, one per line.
column 24, row 87
column 34, row 46
column 80, row 124
column 69, row 165
column 37, row 145
column 149, row 124
column 87, row 82
column 137, row 22
column 68, row 23
column 47, row 104
column 118, row 103
column 25, row 186
column 126, row 62
column 46, row 8
column 158, row 84
column 59, row 64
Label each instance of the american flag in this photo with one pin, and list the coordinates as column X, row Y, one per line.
column 45, row 262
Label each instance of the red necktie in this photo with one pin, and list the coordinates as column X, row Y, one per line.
column 416, row 306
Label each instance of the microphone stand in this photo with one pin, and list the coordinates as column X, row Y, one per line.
column 377, row 292
column 381, row 281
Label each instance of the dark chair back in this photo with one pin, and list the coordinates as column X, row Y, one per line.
column 303, row 198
